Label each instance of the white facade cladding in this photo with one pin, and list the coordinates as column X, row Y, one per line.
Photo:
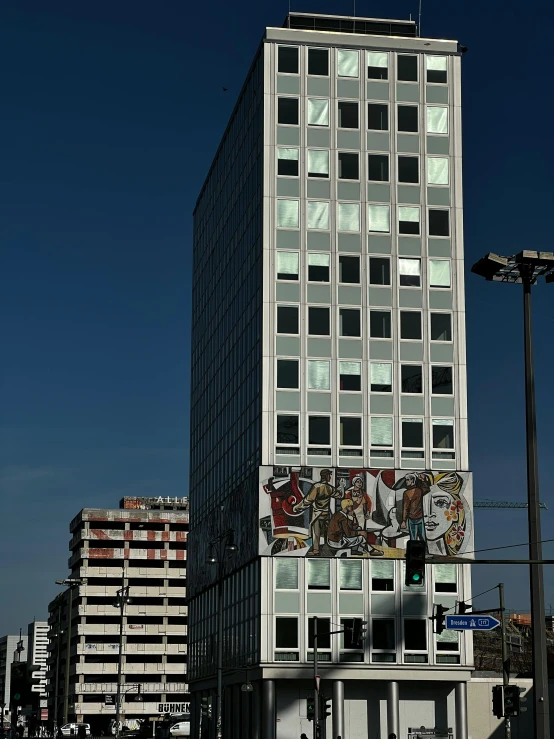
column 9, row 653
column 361, row 386
column 37, row 637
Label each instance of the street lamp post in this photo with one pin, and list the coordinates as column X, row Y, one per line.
column 525, row 268
column 221, row 546
column 71, row 582
column 122, row 600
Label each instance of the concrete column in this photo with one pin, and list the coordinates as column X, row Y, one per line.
column 256, row 710
column 338, row 709
column 393, row 709
column 461, row 710
column 268, row 710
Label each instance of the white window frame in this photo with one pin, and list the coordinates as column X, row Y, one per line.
column 288, row 46
column 381, row 450
column 430, row 163
column 348, row 447
column 407, row 451
column 328, row 265
column 286, row 305
column 317, row 48
column 381, row 310
column 383, row 208
column 311, row 204
column 288, row 445
column 376, row 650
column 287, row 359
column 340, row 205
column 285, row 251
column 348, row 51
column 408, row 310
column 443, row 422
column 381, row 363
column 412, row 364
column 327, row 307
column 283, row 650
column 441, row 287
column 310, row 446
column 315, row 176
column 428, row 129
column 378, row 66
column 287, row 200
column 353, row 374
column 414, row 210
column 287, row 148
column 310, row 102
column 443, row 366
column 445, row 313
column 318, row 389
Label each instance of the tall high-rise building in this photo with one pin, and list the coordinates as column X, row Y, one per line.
column 328, row 410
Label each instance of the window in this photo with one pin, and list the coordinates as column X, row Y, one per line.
column 318, row 112
column 318, row 62
column 348, row 216
column 383, row 632
column 378, row 167
column 380, row 324
column 348, row 166
column 347, row 63
column 287, row 265
column 381, row 377
column 287, row 373
column 408, row 220
column 443, row 433
column 319, row 574
column 441, row 327
column 439, row 223
column 436, row 69
column 318, row 321
column 287, row 111
column 349, row 270
column 437, row 119
column 287, row 319
column 350, row 431
column 408, row 119
column 287, row 429
column 378, row 117
column 441, row 380
column 318, row 374
column 348, row 115
column 286, row 573
column 288, row 59
column 407, row 68
column 410, row 325
column 318, row 163
column 382, row 575
column 323, row 628
column 377, row 65
column 318, row 215
column 350, row 575
column 381, row 431
column 415, row 634
column 445, row 578
column 379, row 271
column 412, row 433
column 439, row 273
column 319, row 431
column 378, row 218
column 287, row 213
column 287, row 162
column 408, row 169
column 410, row 272
column 349, row 322
column 286, row 632
column 411, row 377
column 318, row 267
column 437, row 171
column 350, row 376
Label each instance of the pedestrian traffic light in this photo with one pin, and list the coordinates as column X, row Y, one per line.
column 19, row 686
column 206, row 707
column 325, row 707
column 522, row 699
column 498, row 700
column 438, row 617
column 310, row 708
column 415, row 562
column 359, row 632
column 511, row 700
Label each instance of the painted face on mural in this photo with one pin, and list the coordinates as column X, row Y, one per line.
column 440, row 513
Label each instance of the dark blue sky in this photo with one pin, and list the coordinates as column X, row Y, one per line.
column 110, row 115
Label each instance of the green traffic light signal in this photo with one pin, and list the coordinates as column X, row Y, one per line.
column 310, row 709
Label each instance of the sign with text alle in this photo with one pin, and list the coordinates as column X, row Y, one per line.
column 471, row 623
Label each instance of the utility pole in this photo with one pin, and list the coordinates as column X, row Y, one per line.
column 57, row 686
column 505, row 658
column 316, row 685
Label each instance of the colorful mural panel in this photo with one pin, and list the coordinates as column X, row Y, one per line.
column 324, row 512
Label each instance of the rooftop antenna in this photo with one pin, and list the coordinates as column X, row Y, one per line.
column 289, row 15
column 419, row 21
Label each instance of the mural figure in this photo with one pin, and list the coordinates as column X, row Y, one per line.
column 344, row 532
column 362, row 502
column 319, row 499
column 445, row 515
column 415, row 486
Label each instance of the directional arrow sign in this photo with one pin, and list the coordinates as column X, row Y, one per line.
column 471, row 623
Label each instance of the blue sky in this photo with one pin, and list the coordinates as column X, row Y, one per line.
column 110, row 116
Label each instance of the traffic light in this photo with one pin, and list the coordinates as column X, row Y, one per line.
column 415, row 562
column 310, row 708
column 34, row 678
column 498, row 700
column 359, row 632
column 325, row 707
column 522, row 699
column 206, row 707
column 511, row 700
column 464, row 607
column 440, row 623
column 19, row 686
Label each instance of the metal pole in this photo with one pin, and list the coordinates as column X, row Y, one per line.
column 67, row 659
column 393, row 713
column 316, row 691
column 505, row 658
column 219, row 697
column 540, row 675
column 338, row 709
column 461, row 710
column 57, row 686
column 122, row 599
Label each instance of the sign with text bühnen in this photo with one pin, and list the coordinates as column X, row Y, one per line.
column 471, row 623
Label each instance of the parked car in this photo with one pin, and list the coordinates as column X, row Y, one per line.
column 73, row 729
column 182, row 728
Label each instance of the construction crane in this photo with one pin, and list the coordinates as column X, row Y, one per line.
column 502, row 504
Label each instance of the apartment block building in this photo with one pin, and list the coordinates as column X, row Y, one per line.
column 13, row 648
column 37, row 639
column 328, row 400
column 142, row 546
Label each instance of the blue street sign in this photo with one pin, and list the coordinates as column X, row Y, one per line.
column 468, row 622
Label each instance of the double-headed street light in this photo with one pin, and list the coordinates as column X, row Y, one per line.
column 525, row 268
column 220, row 548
